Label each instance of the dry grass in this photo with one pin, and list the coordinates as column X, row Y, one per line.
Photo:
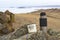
column 53, row 16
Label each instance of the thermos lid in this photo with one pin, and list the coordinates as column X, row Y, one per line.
column 42, row 14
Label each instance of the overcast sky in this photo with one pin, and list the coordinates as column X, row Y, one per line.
column 17, row 3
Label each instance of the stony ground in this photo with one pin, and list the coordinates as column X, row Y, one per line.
column 51, row 35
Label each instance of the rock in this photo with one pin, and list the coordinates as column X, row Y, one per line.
column 36, row 36
column 5, row 37
column 24, row 37
column 20, row 32
column 6, row 23
column 1, row 26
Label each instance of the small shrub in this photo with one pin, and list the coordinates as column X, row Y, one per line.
column 51, row 32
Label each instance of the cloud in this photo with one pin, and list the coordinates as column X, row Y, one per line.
column 15, row 3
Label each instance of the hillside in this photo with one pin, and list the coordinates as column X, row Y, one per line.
column 53, row 16
column 21, row 21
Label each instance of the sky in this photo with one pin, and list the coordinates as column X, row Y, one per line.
column 18, row 3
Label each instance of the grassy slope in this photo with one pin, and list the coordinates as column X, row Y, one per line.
column 53, row 16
